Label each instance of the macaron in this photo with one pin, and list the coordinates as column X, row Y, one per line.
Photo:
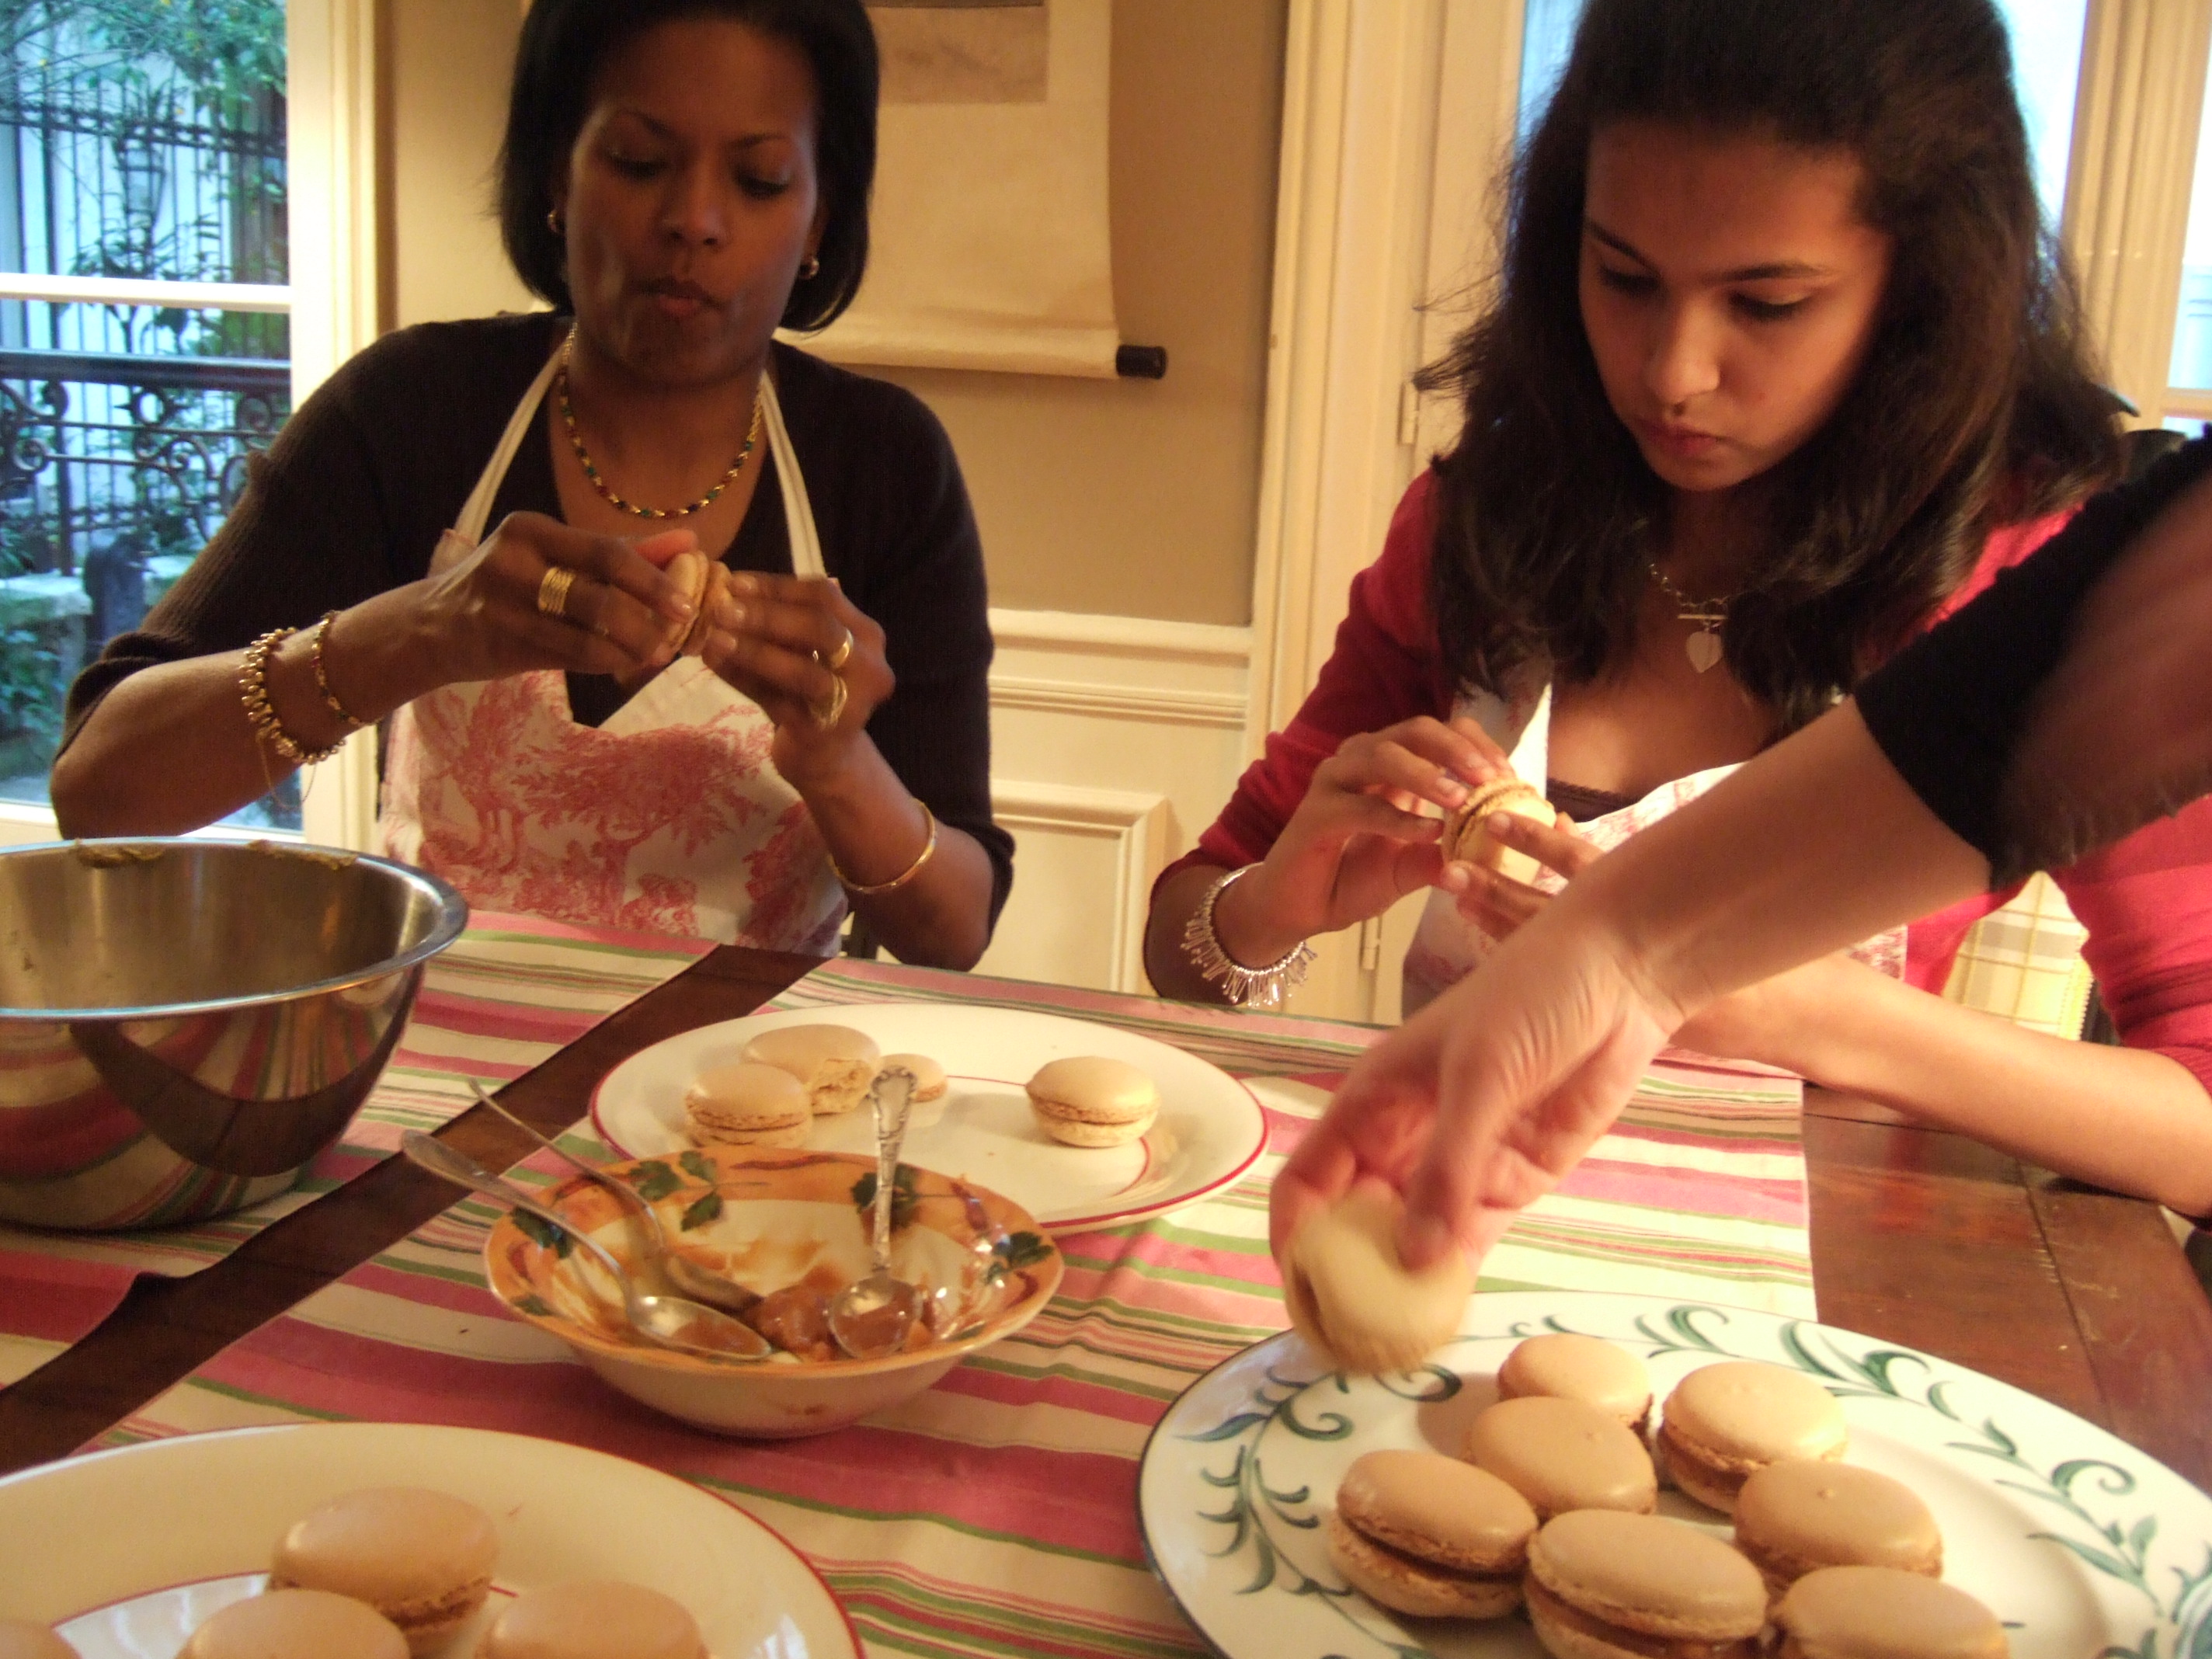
column 835, row 1063
column 1092, row 1101
column 1883, row 1612
column 690, row 572
column 1725, row 1421
column 1563, row 1455
column 20, row 1639
column 1424, row 1533
column 288, row 1624
column 929, row 1079
column 1606, row 1585
column 749, row 1104
column 593, row 1620
column 1466, row 836
column 1796, row 1517
column 1350, row 1295
column 1584, row 1368
column 422, row 1558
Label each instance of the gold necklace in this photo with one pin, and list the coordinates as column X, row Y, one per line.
column 1704, row 647
column 606, row 494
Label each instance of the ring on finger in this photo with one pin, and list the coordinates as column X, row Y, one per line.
column 827, row 717
column 553, row 590
column 843, row 654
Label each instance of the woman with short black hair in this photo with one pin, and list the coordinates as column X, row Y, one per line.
column 680, row 177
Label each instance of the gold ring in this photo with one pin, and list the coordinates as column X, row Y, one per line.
column 843, row 654
column 553, row 590
column 828, row 718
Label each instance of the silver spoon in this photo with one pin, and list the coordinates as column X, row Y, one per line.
column 871, row 1316
column 671, row 1322
column 688, row 1278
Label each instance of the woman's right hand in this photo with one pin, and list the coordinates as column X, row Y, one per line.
column 1357, row 842
column 622, row 615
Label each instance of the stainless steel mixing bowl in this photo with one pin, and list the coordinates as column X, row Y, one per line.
column 185, row 1023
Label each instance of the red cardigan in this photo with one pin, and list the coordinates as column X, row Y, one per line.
column 2146, row 901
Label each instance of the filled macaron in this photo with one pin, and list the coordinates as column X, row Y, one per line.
column 1584, row 1368
column 834, row 1064
column 749, row 1104
column 1606, row 1585
column 422, row 1558
column 288, row 1624
column 1093, row 1101
column 20, row 1639
column 929, row 1079
column 1467, row 831
column 1424, row 1533
column 1563, row 1455
column 593, row 1620
column 1881, row 1613
column 1723, row 1422
column 1796, row 1517
column 1351, row 1295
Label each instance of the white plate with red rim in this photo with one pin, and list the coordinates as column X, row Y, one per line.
column 2079, row 1543
column 1209, row 1131
column 125, row 1553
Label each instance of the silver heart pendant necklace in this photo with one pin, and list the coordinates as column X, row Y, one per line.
column 1706, row 616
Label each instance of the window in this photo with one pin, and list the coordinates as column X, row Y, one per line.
column 2046, row 43
column 2189, row 380
column 144, row 331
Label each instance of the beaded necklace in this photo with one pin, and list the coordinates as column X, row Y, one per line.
column 606, row 493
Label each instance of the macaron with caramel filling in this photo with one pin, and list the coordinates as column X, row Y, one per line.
column 1723, row 1422
column 1350, row 1295
column 1584, row 1368
column 1882, row 1612
column 291, row 1624
column 1420, row 1533
column 1467, row 838
column 422, row 1558
column 1606, row 1585
column 593, row 1620
column 1093, row 1101
column 748, row 1104
column 20, row 1639
column 834, row 1064
column 1563, row 1455
column 1794, row 1518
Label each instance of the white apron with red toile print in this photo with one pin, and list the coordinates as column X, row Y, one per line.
column 667, row 819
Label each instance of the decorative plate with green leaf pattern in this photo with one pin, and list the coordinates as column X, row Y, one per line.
column 2085, row 1548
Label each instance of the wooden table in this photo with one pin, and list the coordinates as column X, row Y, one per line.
column 1924, row 1238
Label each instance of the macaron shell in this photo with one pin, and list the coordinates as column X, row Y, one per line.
column 1585, row 1368
column 1406, row 1585
column 1649, row 1575
column 593, row 1620
column 1437, row 1509
column 19, row 1639
column 1062, row 1125
column 1567, row 1632
column 1742, row 1414
column 1563, row 1455
column 292, row 1624
column 422, row 1558
column 835, row 1063
column 1880, row 1612
column 1094, row 1088
column 1793, row 1518
column 1351, row 1298
column 929, row 1079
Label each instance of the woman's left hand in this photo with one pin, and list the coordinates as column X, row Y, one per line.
column 773, row 638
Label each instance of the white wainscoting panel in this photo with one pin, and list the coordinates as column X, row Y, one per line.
column 1085, row 859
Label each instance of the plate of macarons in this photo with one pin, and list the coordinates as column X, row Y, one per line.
column 1596, row 1476
column 373, row 1541
column 1080, row 1125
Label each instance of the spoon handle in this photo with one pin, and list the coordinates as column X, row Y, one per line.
column 629, row 1197
column 892, row 1096
column 449, row 1164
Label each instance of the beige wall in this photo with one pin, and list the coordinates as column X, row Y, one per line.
column 1120, row 496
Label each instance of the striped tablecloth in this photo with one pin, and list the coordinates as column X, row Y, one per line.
column 996, row 1513
column 511, row 991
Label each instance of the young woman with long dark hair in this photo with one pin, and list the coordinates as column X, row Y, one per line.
column 1783, row 367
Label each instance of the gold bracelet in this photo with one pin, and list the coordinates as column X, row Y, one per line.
column 261, row 712
column 353, row 722
column 928, row 851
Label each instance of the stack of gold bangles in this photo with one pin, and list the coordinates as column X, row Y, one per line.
column 261, row 713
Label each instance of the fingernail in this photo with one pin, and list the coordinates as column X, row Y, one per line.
column 1453, row 791
column 1423, row 1239
column 743, row 582
column 1500, row 824
column 736, row 615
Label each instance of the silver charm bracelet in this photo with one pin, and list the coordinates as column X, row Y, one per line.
column 1246, row 988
